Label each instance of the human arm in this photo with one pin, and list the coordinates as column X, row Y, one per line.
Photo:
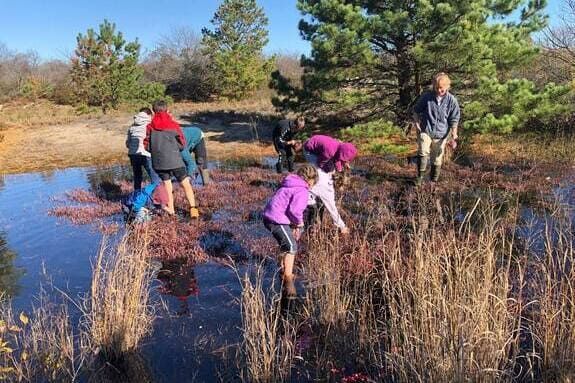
column 453, row 119
column 147, row 138
column 325, row 191
column 180, row 137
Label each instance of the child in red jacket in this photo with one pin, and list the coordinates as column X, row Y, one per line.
column 165, row 140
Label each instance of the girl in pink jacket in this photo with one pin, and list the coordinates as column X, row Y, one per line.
column 283, row 217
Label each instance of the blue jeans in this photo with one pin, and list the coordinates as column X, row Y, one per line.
column 200, row 155
column 138, row 162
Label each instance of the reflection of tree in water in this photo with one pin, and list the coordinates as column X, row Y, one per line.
column 2, row 181
column 104, row 182
column 178, row 279
column 9, row 273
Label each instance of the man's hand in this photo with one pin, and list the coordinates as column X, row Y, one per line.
column 344, row 230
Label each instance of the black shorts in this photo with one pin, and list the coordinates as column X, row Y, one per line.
column 180, row 174
column 283, row 235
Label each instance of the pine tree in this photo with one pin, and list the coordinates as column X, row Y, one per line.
column 105, row 69
column 235, row 48
column 370, row 59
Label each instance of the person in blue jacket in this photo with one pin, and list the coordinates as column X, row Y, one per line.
column 195, row 143
column 436, row 115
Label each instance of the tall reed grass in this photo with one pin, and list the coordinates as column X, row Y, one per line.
column 268, row 336
column 441, row 294
column 119, row 313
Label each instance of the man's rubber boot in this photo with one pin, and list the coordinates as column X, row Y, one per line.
column 435, row 172
column 422, row 162
column 279, row 166
column 205, row 174
column 194, row 213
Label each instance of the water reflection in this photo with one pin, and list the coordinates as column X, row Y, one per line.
column 178, row 280
column 103, row 181
column 9, row 273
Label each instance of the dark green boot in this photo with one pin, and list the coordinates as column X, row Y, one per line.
column 421, row 169
column 435, row 172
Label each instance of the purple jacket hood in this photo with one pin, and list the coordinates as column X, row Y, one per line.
column 289, row 202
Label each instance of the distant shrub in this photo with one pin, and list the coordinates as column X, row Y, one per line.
column 517, row 104
column 373, row 129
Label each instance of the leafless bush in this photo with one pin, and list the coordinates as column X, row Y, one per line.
column 178, row 63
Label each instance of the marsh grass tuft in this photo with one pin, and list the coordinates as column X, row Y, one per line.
column 268, row 336
column 119, row 313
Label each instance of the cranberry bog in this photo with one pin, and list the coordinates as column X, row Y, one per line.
column 478, row 252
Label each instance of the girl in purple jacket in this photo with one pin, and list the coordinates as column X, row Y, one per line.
column 284, row 212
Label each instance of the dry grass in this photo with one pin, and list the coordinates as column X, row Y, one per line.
column 119, row 314
column 554, row 314
column 268, row 337
column 431, row 298
column 524, row 148
column 40, row 347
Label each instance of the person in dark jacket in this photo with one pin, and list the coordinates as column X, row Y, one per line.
column 165, row 139
column 436, row 115
column 284, row 143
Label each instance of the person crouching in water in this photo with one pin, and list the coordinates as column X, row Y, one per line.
column 283, row 217
column 165, row 140
column 284, row 143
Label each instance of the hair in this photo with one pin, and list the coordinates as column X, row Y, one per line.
column 300, row 121
column 146, row 110
column 308, row 173
column 439, row 77
column 160, row 106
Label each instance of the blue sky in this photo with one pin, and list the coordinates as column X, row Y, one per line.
column 50, row 27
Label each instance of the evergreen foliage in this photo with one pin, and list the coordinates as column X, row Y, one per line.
column 370, row 59
column 105, row 70
column 235, row 48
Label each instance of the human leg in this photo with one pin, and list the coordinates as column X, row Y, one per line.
column 290, row 156
column 281, row 160
column 423, row 150
column 202, row 161
column 151, row 173
column 169, row 192
column 184, row 180
column 136, row 162
column 437, row 153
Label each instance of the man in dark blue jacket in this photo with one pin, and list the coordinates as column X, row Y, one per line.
column 284, row 143
column 436, row 115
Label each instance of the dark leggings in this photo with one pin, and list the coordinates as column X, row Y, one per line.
column 138, row 162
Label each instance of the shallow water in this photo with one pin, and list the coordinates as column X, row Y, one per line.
column 199, row 314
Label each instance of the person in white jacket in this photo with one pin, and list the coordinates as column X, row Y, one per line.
column 324, row 191
column 139, row 156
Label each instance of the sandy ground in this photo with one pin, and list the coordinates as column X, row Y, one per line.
column 100, row 141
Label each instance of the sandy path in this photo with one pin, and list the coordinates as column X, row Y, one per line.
column 101, row 141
